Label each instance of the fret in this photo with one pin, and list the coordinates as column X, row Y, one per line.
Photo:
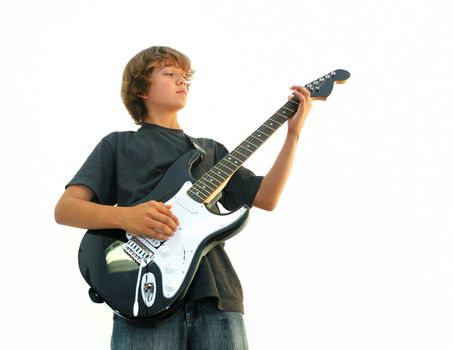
column 199, row 193
column 206, row 186
column 258, row 133
column 231, row 159
column 210, row 179
column 219, row 173
column 208, row 182
column 286, row 111
column 281, row 116
column 238, row 155
column 202, row 191
column 230, row 166
column 256, row 141
column 247, row 147
column 295, row 103
column 268, row 127
column 194, row 194
column 215, row 176
column 221, row 168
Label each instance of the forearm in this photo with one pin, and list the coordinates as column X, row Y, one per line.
column 274, row 182
column 154, row 219
column 85, row 214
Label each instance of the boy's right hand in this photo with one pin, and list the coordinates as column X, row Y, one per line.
column 153, row 219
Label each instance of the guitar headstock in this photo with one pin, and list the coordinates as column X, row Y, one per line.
column 321, row 88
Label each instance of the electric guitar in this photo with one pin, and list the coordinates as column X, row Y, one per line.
column 142, row 278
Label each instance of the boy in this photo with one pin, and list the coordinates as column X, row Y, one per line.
column 125, row 166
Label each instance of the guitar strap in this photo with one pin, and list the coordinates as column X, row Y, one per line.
column 196, row 145
column 203, row 154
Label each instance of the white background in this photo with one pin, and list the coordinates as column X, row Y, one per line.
column 359, row 253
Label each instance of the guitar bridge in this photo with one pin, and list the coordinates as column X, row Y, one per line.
column 138, row 252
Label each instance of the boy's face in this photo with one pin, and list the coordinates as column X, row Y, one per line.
column 168, row 89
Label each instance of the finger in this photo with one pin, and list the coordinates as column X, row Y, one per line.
column 157, row 227
column 301, row 89
column 305, row 105
column 158, row 213
column 303, row 99
column 164, row 222
column 156, row 234
column 164, row 209
column 171, row 214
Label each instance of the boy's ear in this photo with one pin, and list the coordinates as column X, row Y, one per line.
column 143, row 97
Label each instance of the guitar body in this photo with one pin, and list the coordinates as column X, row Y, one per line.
column 159, row 286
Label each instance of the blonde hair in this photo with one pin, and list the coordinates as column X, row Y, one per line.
column 136, row 76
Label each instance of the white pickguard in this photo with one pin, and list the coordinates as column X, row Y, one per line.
column 174, row 257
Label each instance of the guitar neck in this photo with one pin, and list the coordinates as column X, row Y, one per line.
column 213, row 181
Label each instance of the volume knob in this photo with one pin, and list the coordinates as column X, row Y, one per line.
column 169, row 268
column 163, row 251
column 169, row 288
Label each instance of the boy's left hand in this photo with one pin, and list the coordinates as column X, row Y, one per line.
column 295, row 124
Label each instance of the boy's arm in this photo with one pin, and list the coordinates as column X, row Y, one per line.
column 75, row 208
column 273, row 183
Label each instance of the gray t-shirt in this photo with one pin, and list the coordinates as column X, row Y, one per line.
column 125, row 166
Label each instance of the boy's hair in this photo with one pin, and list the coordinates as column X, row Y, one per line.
column 136, row 76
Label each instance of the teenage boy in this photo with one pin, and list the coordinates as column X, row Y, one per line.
column 125, row 166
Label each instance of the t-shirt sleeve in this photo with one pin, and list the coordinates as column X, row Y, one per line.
column 98, row 172
column 242, row 187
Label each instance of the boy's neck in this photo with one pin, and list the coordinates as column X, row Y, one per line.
column 166, row 121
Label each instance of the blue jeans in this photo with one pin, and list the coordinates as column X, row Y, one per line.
column 196, row 326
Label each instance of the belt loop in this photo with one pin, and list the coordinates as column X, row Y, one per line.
column 189, row 310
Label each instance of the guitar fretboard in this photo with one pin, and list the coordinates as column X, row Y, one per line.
column 211, row 181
